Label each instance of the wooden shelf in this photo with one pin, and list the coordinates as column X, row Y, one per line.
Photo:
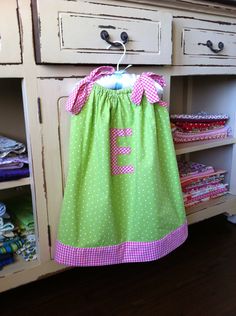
column 202, row 145
column 18, row 266
column 204, row 210
column 14, row 183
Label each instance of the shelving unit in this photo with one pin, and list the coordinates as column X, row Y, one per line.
column 12, row 125
column 40, row 63
column 213, row 207
column 185, row 148
column 18, row 266
column 15, row 183
column 211, row 94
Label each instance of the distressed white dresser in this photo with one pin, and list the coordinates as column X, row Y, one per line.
column 47, row 46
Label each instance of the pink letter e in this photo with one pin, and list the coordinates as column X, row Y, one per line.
column 115, row 151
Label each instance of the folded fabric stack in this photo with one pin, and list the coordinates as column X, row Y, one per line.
column 17, row 234
column 21, row 211
column 14, row 162
column 200, row 182
column 10, row 242
column 200, row 126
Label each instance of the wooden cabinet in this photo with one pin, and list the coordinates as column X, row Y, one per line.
column 208, row 94
column 202, row 42
column 34, row 88
column 56, row 120
column 13, row 126
column 10, row 39
column 69, row 32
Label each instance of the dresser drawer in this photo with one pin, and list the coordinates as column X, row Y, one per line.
column 10, row 49
column 199, row 42
column 69, row 32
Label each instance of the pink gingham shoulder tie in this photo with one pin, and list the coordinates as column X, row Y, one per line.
column 145, row 85
column 80, row 94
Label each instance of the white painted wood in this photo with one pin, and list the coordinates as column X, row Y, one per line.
column 14, row 183
column 224, row 204
column 32, row 273
column 191, row 6
column 13, row 125
column 191, row 35
column 55, row 131
column 70, row 33
column 10, row 46
column 185, row 148
column 188, row 89
column 19, row 265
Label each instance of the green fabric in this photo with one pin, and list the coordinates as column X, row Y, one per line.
column 21, row 211
column 100, row 209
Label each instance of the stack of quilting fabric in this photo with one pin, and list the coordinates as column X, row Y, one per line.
column 21, row 212
column 10, row 242
column 13, row 160
column 17, row 231
column 200, row 182
column 200, row 126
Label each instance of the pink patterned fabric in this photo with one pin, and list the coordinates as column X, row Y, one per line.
column 182, row 137
column 115, row 151
column 130, row 251
column 145, row 84
column 205, row 197
column 80, row 94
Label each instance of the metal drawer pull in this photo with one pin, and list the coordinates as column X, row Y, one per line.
column 105, row 36
column 209, row 44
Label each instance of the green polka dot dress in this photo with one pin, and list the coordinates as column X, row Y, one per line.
column 123, row 200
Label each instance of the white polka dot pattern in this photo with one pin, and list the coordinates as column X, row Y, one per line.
column 137, row 216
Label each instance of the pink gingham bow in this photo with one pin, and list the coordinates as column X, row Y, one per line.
column 145, row 84
column 79, row 95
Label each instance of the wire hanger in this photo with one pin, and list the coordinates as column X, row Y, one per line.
column 121, row 58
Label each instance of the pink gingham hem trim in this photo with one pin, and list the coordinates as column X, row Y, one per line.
column 130, row 251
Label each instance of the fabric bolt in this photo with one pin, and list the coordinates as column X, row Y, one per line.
column 206, row 197
column 200, row 186
column 6, row 259
column 198, row 117
column 187, row 168
column 183, row 137
column 186, row 126
column 2, row 209
column 212, row 180
column 8, row 145
column 8, row 242
column 14, row 174
column 200, row 182
column 204, row 190
column 21, row 211
column 28, row 249
column 136, row 214
column 13, row 161
column 11, row 247
column 6, row 227
column 199, row 177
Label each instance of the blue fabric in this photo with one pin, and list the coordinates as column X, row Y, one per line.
column 2, row 209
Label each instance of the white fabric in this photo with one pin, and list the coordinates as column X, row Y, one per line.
column 120, row 80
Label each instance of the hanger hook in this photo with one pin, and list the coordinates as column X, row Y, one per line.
column 122, row 56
